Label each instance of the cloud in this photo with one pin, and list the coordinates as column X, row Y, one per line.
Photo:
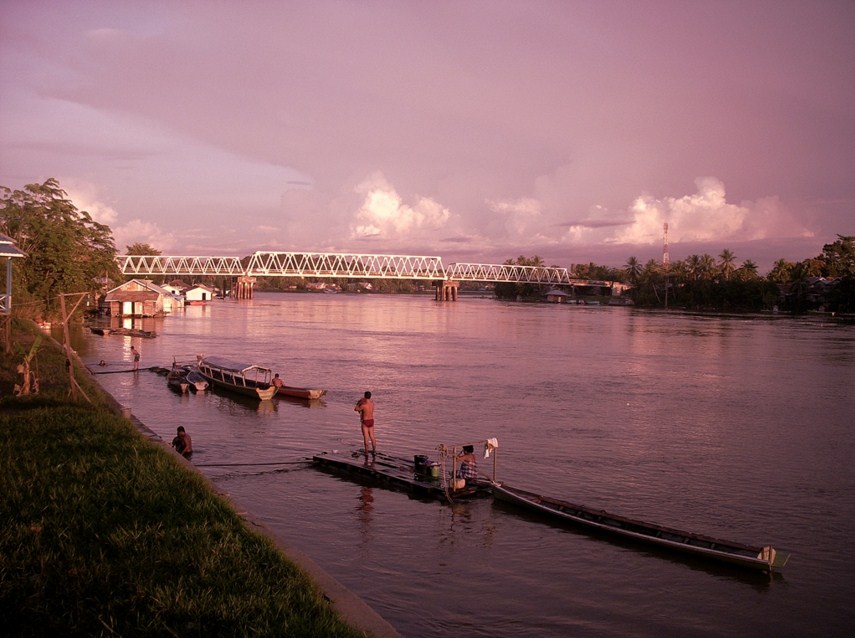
column 706, row 216
column 521, row 216
column 138, row 231
column 86, row 197
column 384, row 214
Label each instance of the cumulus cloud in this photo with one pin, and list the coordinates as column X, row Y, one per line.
column 705, row 216
column 383, row 212
column 86, row 197
column 520, row 216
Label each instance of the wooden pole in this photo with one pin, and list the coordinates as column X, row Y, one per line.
column 73, row 386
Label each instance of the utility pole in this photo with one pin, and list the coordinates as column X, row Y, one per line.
column 666, row 261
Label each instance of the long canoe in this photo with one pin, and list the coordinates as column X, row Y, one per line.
column 248, row 380
column 300, row 393
column 764, row 558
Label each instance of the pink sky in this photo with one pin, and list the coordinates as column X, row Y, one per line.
column 473, row 130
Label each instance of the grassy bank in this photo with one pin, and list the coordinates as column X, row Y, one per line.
column 106, row 533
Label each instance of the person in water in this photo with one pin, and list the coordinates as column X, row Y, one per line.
column 365, row 407
column 182, row 443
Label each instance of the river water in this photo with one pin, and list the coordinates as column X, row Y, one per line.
column 735, row 427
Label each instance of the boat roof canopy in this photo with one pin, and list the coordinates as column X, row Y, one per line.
column 232, row 366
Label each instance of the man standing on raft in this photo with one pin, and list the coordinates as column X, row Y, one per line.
column 365, row 407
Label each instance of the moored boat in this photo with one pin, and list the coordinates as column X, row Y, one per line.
column 176, row 379
column 198, row 383
column 246, row 379
column 757, row 557
column 300, row 393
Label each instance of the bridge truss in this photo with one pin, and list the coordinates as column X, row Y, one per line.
column 349, row 265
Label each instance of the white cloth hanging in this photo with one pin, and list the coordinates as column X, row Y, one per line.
column 489, row 446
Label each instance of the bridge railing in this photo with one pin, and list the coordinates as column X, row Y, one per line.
column 289, row 264
column 510, row 273
column 165, row 265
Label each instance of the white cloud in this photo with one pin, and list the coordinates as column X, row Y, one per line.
column 87, row 198
column 383, row 212
column 138, row 231
column 521, row 215
column 705, row 216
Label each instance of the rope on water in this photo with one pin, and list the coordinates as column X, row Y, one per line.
column 300, row 462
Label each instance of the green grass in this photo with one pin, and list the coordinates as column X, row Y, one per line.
column 106, row 533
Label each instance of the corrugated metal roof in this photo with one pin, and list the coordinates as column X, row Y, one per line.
column 8, row 248
column 131, row 295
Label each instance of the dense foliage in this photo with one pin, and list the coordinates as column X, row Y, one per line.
column 825, row 282
column 67, row 251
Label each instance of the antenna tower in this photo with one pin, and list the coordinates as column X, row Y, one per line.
column 665, row 257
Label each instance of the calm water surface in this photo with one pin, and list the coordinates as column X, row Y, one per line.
column 735, row 427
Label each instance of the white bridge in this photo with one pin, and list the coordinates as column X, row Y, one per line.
column 349, row 265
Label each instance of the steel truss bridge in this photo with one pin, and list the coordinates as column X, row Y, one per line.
column 338, row 265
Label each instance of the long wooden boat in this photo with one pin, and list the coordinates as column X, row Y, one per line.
column 241, row 378
column 764, row 558
column 300, row 393
column 398, row 473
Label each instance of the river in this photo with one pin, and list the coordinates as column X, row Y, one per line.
column 737, row 427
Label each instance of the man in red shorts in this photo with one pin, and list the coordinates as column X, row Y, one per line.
column 365, row 407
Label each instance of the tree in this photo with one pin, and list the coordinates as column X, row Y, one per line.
column 632, row 269
column 727, row 263
column 706, row 267
column 747, row 271
column 142, row 249
column 67, row 251
column 781, row 272
column 510, row 290
column 839, row 258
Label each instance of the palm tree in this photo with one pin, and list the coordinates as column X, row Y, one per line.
column 781, row 271
column 748, row 270
column 693, row 267
column 707, row 266
column 632, row 269
column 728, row 259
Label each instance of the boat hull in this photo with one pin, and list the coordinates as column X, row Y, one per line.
column 247, row 380
column 300, row 393
column 762, row 558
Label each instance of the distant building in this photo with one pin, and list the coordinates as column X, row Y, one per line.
column 556, row 296
column 199, row 294
column 139, row 298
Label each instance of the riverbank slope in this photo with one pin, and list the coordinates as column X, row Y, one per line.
column 109, row 532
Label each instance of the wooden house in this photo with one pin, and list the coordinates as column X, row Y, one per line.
column 198, row 294
column 138, row 298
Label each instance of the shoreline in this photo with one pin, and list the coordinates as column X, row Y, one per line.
column 352, row 609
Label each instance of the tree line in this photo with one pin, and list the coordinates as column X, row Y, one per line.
column 703, row 282
column 68, row 251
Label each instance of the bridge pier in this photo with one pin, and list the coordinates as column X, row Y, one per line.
column 446, row 290
column 243, row 287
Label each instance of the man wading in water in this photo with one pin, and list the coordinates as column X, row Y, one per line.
column 365, row 407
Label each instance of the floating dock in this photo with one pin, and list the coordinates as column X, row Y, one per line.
column 398, row 473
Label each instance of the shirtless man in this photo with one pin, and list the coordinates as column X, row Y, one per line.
column 365, row 407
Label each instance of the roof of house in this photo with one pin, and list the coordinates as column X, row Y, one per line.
column 131, row 295
column 8, row 248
